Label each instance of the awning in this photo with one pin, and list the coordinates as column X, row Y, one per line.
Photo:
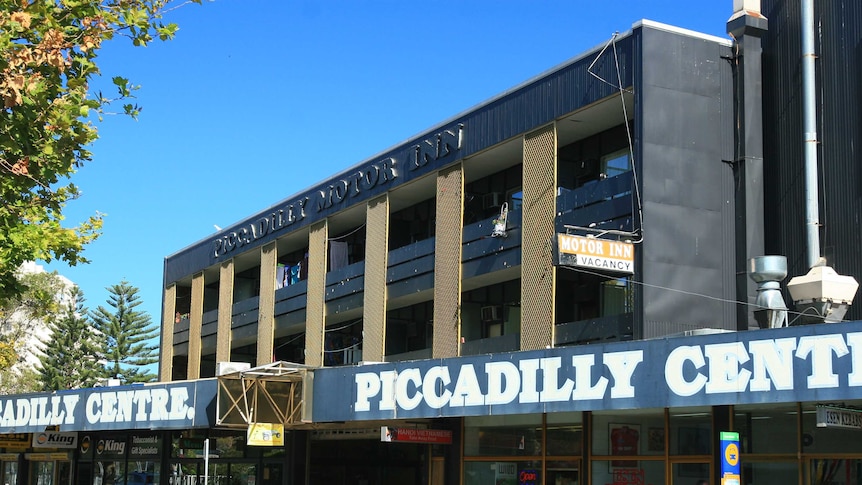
column 273, row 393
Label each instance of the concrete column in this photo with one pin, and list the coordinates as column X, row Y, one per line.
column 196, row 318
column 166, row 345
column 374, row 297
column 266, row 304
column 225, row 311
column 447, row 262
column 315, row 308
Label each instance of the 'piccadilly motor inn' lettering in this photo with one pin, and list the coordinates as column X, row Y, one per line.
column 436, row 148
column 735, row 369
column 99, row 407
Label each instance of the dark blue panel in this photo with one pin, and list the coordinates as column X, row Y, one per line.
column 817, row 363
column 181, row 405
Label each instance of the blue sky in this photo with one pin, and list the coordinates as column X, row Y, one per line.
column 255, row 100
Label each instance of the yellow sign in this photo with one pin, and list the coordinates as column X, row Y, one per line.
column 265, row 434
column 591, row 252
column 731, row 454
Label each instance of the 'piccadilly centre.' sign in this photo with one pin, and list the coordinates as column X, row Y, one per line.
column 180, row 405
column 806, row 363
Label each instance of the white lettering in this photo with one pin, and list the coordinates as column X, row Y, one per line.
column 821, row 348
column 673, row 370
column 724, row 372
column 773, row 357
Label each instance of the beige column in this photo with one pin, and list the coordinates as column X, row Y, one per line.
column 538, row 274
column 447, row 262
column 266, row 304
column 225, row 310
column 315, row 307
column 374, row 298
column 196, row 318
column 166, row 345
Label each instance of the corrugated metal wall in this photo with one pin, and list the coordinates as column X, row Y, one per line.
column 374, row 290
column 447, row 263
column 838, row 28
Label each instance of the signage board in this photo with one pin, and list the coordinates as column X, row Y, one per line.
column 15, row 440
column 175, row 405
column 595, row 253
column 53, row 439
column 800, row 363
column 416, row 435
column 730, row 467
column 265, row 434
column 836, row 417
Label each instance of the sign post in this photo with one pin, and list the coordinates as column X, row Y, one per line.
column 729, row 458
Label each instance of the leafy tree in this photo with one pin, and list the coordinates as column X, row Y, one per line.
column 70, row 355
column 48, row 52
column 21, row 317
column 126, row 335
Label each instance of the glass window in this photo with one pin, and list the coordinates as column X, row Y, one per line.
column 617, row 297
column 643, row 471
column 564, row 434
column 770, row 473
column 690, row 431
column 503, row 435
column 502, row 472
column 624, row 433
column 767, row 428
column 827, row 440
column 616, row 163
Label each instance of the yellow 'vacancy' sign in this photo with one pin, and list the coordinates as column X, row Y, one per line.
column 590, row 252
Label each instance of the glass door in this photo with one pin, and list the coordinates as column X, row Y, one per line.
column 10, row 472
column 42, row 472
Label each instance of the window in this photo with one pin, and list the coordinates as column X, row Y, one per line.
column 616, row 163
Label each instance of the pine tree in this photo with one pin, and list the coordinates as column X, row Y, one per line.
column 71, row 351
column 126, row 336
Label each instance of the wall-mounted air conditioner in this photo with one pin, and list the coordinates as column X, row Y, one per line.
column 492, row 313
column 223, row 368
column 492, row 199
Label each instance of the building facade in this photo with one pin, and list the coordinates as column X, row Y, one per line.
column 550, row 288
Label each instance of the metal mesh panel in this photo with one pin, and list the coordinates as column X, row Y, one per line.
column 266, row 305
column 537, row 269
column 166, row 351
column 376, row 255
column 225, row 311
column 315, row 310
column 195, row 322
column 447, row 262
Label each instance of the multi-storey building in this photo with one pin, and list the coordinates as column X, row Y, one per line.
column 552, row 287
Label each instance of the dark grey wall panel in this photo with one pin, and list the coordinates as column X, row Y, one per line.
column 685, row 185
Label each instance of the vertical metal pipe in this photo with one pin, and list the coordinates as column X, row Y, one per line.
column 809, row 126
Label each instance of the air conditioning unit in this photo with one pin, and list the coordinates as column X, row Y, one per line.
column 492, row 313
column 223, row 368
column 492, row 199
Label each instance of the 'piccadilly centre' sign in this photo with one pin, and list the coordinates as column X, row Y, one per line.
column 155, row 406
column 807, row 363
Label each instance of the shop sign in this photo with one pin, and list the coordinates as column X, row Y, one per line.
column 15, row 440
column 265, row 434
column 805, row 363
column 47, row 456
column 157, row 406
column 835, row 417
column 415, row 435
column 595, row 253
column 730, row 466
column 145, row 446
column 9, row 456
column 53, row 439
